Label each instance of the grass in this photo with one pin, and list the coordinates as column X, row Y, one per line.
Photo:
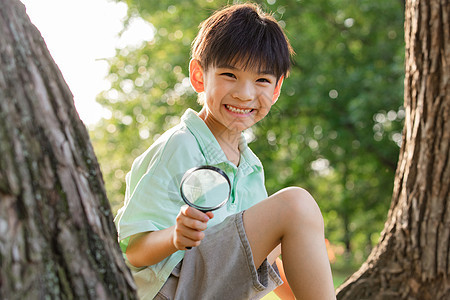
column 271, row 296
column 339, row 277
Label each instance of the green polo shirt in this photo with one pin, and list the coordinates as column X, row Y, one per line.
column 152, row 197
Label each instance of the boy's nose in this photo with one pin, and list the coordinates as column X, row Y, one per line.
column 245, row 91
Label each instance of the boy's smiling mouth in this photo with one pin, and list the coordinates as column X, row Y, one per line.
column 237, row 110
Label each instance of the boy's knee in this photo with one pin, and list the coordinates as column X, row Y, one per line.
column 299, row 205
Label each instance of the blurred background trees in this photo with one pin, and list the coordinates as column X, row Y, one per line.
column 336, row 129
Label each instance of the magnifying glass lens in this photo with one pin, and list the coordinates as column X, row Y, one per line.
column 205, row 188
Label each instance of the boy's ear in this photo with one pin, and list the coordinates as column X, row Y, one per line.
column 196, row 75
column 277, row 91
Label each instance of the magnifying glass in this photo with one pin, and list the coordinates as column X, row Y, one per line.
column 205, row 188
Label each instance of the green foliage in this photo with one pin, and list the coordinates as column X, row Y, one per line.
column 335, row 130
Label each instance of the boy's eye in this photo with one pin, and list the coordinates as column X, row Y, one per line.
column 231, row 75
column 263, row 80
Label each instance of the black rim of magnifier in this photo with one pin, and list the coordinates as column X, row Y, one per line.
column 203, row 208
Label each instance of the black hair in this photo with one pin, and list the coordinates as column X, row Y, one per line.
column 243, row 35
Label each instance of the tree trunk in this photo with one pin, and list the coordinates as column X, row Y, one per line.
column 57, row 237
column 412, row 259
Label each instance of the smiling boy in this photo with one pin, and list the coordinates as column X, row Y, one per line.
column 236, row 99
column 240, row 58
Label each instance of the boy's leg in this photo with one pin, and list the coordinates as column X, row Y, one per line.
column 293, row 218
column 222, row 267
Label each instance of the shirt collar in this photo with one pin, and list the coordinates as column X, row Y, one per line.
column 211, row 149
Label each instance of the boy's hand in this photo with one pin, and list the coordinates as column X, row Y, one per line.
column 191, row 223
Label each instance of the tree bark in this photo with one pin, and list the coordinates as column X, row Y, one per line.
column 412, row 258
column 57, row 237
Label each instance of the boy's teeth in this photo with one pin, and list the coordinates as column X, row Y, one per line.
column 238, row 110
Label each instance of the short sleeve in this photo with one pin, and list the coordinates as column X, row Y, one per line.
column 153, row 200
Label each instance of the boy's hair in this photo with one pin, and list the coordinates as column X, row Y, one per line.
column 243, row 34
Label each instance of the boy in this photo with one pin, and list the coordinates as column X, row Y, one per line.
column 239, row 60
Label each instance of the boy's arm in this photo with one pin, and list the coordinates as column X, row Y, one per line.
column 149, row 248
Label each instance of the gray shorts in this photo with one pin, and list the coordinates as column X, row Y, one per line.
column 221, row 268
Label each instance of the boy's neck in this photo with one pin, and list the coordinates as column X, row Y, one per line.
column 230, row 147
column 227, row 139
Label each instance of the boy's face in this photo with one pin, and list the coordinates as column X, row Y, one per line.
column 235, row 98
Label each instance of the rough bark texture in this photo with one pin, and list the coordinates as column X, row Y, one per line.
column 57, row 238
column 412, row 259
